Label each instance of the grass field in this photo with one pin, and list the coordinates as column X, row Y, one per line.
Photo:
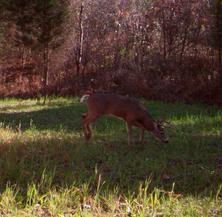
column 47, row 169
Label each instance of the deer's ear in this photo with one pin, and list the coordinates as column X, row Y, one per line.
column 155, row 124
column 160, row 121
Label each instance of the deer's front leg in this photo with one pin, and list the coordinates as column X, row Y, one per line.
column 129, row 131
column 142, row 136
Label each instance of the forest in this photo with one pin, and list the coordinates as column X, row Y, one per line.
column 166, row 50
column 156, row 64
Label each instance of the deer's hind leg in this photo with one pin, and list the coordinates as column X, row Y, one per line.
column 86, row 128
column 87, row 119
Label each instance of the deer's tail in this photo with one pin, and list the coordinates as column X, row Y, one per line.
column 86, row 95
column 84, row 98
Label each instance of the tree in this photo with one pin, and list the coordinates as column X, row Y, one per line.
column 38, row 26
column 19, row 15
column 216, row 6
column 49, row 17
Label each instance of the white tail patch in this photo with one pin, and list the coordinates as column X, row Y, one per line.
column 84, row 98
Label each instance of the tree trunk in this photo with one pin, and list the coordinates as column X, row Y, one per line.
column 219, row 38
column 219, row 51
column 184, row 40
column 80, row 46
column 164, row 36
column 45, row 70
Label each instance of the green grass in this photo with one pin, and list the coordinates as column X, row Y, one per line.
column 47, row 168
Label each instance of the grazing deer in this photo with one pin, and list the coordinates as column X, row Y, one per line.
column 126, row 108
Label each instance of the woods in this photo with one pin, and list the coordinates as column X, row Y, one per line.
column 66, row 65
column 168, row 50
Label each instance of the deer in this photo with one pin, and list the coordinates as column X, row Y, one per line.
column 127, row 108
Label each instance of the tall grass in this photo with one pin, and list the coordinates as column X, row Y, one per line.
column 47, row 168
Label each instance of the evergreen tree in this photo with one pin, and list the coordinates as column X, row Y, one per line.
column 49, row 18
column 39, row 25
column 216, row 6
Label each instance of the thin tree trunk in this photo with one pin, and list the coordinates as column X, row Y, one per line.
column 183, row 44
column 45, row 70
column 80, row 45
column 219, row 51
column 164, row 37
column 22, row 53
column 219, row 39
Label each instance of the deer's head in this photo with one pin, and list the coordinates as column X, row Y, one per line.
column 159, row 132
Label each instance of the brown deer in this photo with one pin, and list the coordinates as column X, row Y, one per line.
column 126, row 108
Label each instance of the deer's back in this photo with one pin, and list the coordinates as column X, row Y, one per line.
column 120, row 106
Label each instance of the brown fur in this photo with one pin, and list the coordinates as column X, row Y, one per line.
column 126, row 108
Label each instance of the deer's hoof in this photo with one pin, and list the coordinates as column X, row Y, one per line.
column 84, row 115
column 87, row 136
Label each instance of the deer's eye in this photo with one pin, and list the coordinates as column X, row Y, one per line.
column 160, row 127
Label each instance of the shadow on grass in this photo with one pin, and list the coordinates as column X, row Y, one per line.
column 191, row 160
column 68, row 117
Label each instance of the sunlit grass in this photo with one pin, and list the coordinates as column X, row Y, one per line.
column 47, row 168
